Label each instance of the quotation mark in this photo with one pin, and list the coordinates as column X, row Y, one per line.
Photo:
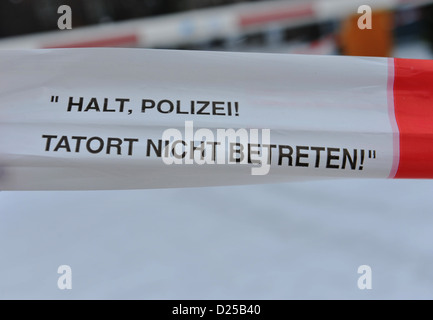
column 54, row 98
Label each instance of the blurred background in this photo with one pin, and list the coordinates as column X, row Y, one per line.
column 283, row 241
column 291, row 26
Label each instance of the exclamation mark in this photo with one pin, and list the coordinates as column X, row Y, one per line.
column 362, row 159
column 237, row 109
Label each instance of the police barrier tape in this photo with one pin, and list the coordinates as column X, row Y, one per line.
column 143, row 118
column 225, row 22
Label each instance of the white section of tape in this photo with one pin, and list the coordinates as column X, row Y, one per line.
column 63, row 124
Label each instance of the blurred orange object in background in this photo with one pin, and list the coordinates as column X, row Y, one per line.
column 377, row 41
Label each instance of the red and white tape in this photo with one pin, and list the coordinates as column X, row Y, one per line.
column 411, row 105
column 139, row 118
column 202, row 25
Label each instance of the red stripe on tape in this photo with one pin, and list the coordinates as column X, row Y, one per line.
column 293, row 12
column 130, row 39
column 413, row 106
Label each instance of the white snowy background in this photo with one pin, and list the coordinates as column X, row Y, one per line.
column 283, row 241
